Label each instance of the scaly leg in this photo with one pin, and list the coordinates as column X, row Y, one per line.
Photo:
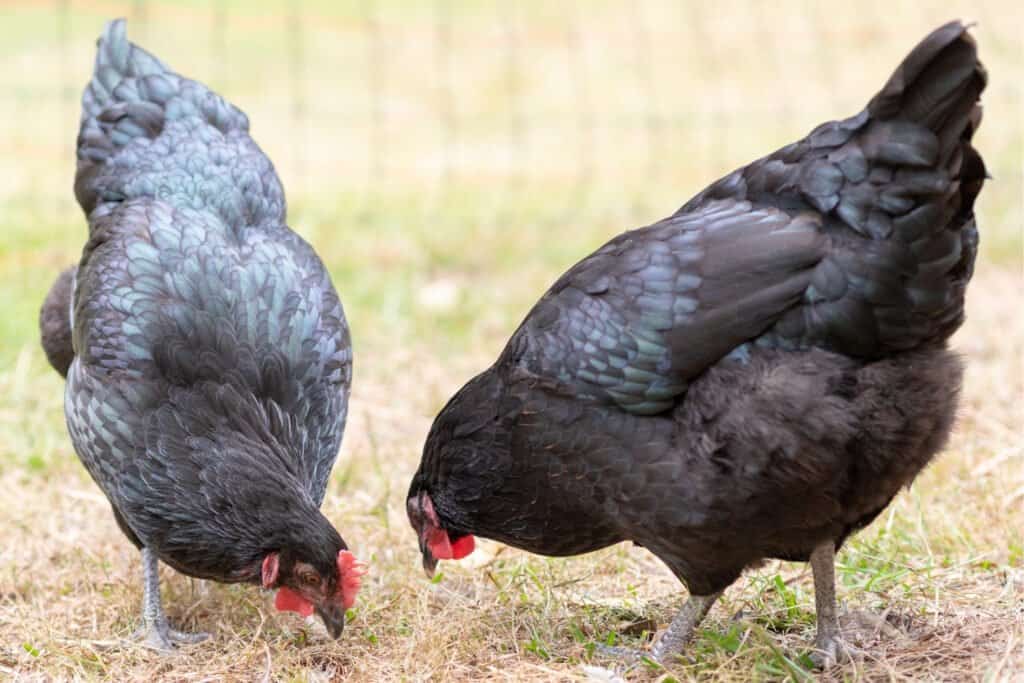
column 155, row 632
column 682, row 628
column 677, row 635
column 828, row 643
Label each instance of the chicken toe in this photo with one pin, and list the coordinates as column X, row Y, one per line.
column 159, row 635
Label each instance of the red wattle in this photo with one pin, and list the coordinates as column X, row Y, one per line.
column 440, row 546
column 463, row 546
column 288, row 600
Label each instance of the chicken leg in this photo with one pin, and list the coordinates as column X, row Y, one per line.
column 828, row 644
column 682, row 628
column 155, row 632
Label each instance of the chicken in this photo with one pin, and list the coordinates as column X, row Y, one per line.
column 754, row 377
column 206, row 351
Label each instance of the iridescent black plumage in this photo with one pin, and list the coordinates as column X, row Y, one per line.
column 208, row 391
column 755, row 376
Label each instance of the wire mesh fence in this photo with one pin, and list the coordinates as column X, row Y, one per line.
column 488, row 107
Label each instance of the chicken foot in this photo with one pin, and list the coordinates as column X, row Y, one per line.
column 155, row 631
column 678, row 633
column 682, row 628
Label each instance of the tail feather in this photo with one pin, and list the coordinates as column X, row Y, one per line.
column 134, row 95
column 937, row 87
column 895, row 185
column 940, row 71
column 933, row 95
column 117, row 60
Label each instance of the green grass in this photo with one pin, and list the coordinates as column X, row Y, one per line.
column 600, row 117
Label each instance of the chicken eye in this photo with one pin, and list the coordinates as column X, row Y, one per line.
column 311, row 579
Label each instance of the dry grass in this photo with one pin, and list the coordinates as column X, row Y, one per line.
column 436, row 274
column 944, row 563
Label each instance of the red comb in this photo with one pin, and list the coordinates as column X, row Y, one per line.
column 350, row 572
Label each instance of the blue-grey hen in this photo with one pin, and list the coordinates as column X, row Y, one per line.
column 754, row 377
column 206, row 351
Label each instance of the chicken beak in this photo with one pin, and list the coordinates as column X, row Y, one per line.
column 422, row 524
column 429, row 561
column 333, row 617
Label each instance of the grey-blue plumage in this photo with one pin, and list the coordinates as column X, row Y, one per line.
column 755, row 376
column 208, row 391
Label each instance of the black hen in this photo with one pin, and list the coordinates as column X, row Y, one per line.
column 754, row 377
column 209, row 355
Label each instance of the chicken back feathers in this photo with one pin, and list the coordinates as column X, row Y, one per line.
column 859, row 238
column 207, row 396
